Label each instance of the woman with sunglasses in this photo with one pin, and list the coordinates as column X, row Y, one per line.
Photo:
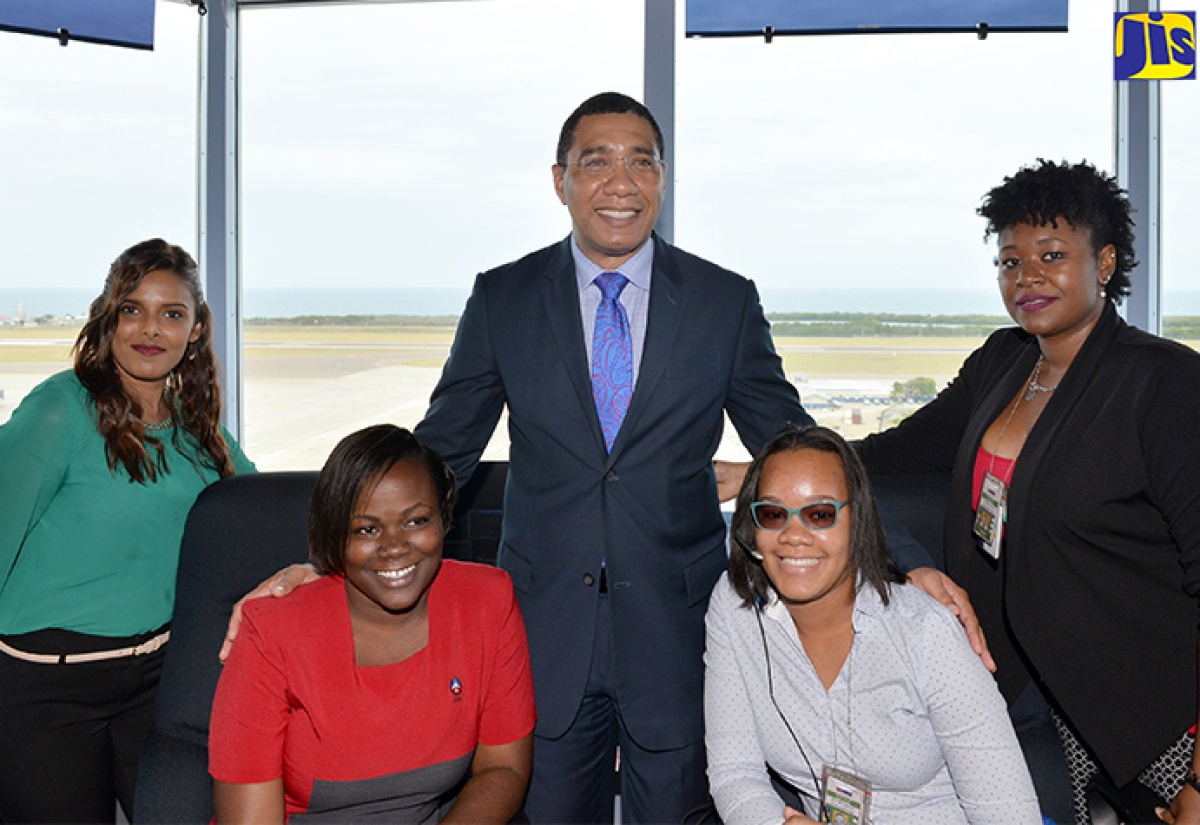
column 830, row 681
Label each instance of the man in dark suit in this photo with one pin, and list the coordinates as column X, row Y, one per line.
column 612, row 530
column 613, row 549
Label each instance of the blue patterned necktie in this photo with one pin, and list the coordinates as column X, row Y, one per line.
column 612, row 356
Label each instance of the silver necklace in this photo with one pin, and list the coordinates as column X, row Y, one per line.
column 1034, row 386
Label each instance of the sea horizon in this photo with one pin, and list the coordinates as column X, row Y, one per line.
column 418, row 301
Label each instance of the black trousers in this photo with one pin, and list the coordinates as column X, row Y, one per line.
column 574, row 780
column 71, row 734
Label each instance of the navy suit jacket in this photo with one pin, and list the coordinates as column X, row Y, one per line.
column 649, row 508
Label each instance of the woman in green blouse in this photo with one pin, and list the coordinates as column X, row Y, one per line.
column 98, row 469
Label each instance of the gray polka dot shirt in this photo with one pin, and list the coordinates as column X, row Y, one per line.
column 913, row 710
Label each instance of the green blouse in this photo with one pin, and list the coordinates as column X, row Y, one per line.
column 82, row 547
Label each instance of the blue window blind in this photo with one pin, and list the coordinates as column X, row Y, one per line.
column 731, row 18
column 111, row 22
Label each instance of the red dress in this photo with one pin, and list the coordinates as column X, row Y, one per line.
column 985, row 462
column 392, row 741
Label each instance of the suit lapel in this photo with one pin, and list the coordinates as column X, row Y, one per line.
column 1058, row 409
column 662, row 322
column 999, row 397
column 560, row 296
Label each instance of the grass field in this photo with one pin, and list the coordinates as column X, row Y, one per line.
column 882, row 358
column 43, row 345
column 898, row 358
column 326, row 334
column 36, row 345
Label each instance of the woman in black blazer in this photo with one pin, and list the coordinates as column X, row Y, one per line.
column 1074, row 516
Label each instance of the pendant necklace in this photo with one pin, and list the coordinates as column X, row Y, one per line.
column 1034, row 386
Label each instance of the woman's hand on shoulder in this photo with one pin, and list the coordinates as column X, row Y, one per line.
column 942, row 588
column 281, row 584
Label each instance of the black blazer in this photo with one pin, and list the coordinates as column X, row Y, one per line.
column 1095, row 591
column 649, row 508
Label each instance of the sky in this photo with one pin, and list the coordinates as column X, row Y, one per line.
column 410, row 144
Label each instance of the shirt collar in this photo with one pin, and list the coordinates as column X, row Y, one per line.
column 866, row 603
column 637, row 269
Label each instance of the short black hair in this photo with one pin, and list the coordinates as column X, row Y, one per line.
column 605, row 103
column 869, row 555
column 1080, row 194
column 354, row 467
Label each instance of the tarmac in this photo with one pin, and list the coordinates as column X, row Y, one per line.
column 297, row 408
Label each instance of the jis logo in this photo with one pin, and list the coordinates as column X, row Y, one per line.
column 1154, row 46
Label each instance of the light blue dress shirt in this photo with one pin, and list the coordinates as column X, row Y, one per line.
column 635, row 297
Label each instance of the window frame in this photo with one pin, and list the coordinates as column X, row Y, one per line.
column 1137, row 150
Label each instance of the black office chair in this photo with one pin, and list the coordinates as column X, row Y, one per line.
column 919, row 501
column 240, row 531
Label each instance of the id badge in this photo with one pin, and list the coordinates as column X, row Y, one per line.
column 989, row 518
column 845, row 798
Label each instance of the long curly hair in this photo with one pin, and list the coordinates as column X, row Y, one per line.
column 1079, row 193
column 193, row 391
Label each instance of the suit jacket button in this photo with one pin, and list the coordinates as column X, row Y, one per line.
column 611, row 475
column 588, row 579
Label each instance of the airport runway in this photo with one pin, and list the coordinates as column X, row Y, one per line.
column 297, row 408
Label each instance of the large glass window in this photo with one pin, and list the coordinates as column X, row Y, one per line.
column 389, row 153
column 842, row 174
column 99, row 152
column 1180, row 101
